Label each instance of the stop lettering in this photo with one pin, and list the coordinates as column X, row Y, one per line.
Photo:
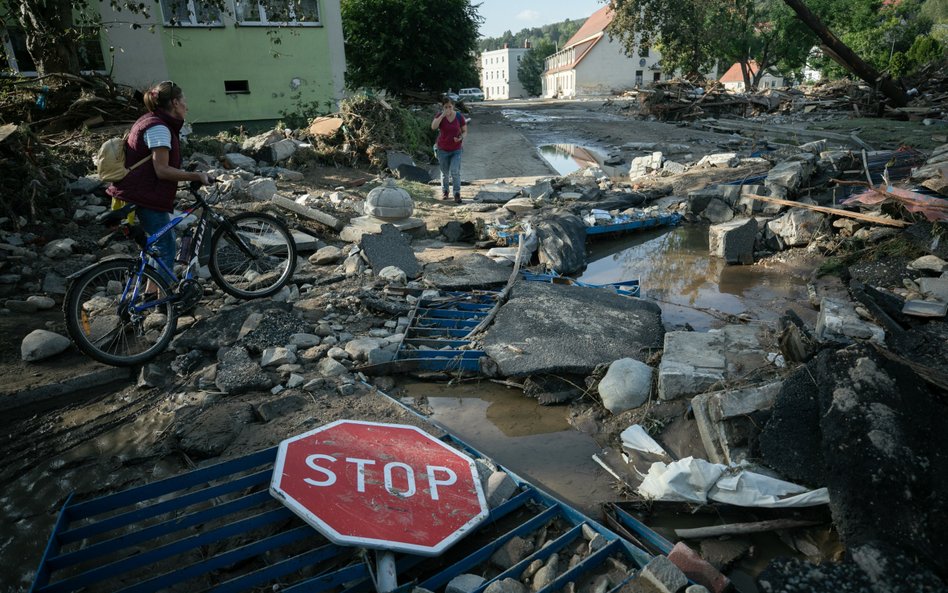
column 386, row 486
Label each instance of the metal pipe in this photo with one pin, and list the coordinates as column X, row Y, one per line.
column 386, row 578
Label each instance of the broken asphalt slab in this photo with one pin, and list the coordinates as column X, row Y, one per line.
column 873, row 432
column 390, row 248
column 466, row 272
column 497, row 193
column 548, row 328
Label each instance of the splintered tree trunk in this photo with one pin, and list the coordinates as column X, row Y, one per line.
column 47, row 26
column 847, row 57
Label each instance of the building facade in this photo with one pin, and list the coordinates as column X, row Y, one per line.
column 593, row 64
column 733, row 79
column 228, row 62
column 499, row 73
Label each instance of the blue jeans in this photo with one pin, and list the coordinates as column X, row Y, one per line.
column 152, row 221
column 450, row 162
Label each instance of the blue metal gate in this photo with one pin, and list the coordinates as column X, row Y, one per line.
column 219, row 529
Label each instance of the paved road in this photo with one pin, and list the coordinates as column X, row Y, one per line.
column 495, row 149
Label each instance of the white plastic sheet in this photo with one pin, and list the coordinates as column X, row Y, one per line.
column 685, row 480
column 749, row 489
column 635, row 437
column 698, row 481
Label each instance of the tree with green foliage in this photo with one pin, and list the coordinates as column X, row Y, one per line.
column 880, row 34
column 556, row 34
column 694, row 35
column 681, row 29
column 531, row 67
column 51, row 31
column 410, row 45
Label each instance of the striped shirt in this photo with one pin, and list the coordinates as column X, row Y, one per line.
column 157, row 137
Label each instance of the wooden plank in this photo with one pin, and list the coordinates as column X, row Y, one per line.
column 834, row 211
column 742, row 528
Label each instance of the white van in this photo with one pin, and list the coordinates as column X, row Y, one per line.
column 471, row 94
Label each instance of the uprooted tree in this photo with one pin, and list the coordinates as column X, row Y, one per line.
column 693, row 34
column 847, row 57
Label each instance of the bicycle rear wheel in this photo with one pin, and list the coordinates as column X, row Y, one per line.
column 106, row 326
column 253, row 255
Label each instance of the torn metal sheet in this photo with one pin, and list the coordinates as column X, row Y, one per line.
column 932, row 208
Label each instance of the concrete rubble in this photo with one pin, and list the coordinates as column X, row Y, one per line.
column 849, row 404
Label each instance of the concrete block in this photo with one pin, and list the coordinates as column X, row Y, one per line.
column 500, row 487
column 839, row 323
column 734, row 241
column 663, row 575
column 934, row 287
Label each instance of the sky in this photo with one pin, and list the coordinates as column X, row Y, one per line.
column 514, row 15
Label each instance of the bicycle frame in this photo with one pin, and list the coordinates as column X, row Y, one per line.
column 208, row 216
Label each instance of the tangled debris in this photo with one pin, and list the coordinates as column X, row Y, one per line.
column 371, row 126
column 677, row 99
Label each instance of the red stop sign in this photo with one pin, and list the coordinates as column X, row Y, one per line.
column 386, row 486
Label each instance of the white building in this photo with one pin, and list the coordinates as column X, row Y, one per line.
column 499, row 78
column 733, row 79
column 593, row 64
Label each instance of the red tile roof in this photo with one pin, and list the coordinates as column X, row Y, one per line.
column 734, row 74
column 595, row 24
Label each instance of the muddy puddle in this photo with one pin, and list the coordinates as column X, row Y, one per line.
column 675, row 270
column 566, row 158
column 535, row 442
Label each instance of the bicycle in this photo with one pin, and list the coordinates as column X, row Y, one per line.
column 113, row 319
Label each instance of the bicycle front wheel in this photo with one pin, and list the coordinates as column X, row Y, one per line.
column 252, row 255
column 104, row 322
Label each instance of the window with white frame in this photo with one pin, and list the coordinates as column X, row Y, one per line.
column 190, row 13
column 298, row 13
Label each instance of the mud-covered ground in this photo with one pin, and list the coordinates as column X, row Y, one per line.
column 109, row 437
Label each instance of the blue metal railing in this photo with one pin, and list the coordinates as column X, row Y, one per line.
column 218, row 529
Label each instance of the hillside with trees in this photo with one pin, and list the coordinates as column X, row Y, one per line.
column 556, row 34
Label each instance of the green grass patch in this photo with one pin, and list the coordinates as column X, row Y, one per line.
column 833, row 266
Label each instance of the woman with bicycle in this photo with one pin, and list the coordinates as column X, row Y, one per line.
column 123, row 311
column 153, row 188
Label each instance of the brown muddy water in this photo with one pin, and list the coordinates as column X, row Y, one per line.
column 674, row 270
column 535, row 442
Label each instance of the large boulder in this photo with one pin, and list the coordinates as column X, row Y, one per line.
column 627, row 385
column 41, row 344
column 553, row 328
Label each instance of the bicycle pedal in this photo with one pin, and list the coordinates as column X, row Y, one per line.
column 188, row 296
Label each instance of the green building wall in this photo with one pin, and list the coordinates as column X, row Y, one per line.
column 279, row 77
column 281, row 68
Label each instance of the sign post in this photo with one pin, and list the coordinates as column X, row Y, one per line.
column 389, row 487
